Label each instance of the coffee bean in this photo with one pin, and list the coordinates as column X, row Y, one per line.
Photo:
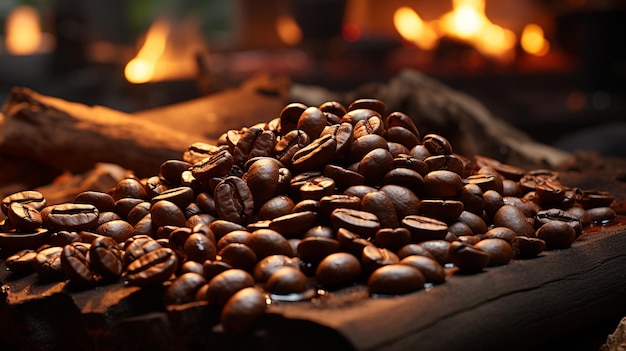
column 294, row 224
column 381, row 205
column 499, row 250
column 233, row 199
column 21, row 262
column 227, row 283
column 437, row 144
column 375, row 164
column 374, row 257
column 102, row 201
column 266, row 242
column 198, row 151
column 242, row 310
column 432, row 271
column 24, row 217
column 33, row 198
column 527, row 247
column 180, row 196
column 337, row 270
column 373, row 104
column 312, row 121
column 404, row 200
column 76, row 266
column 138, row 246
column 152, row 268
column 424, row 228
column 48, row 264
column 286, row 280
column 314, row 249
column 167, row 213
column 239, row 256
column 289, row 145
column 315, row 155
column 253, row 143
column 290, row 115
column 594, row 198
column 183, row 289
column 556, row 234
column 118, row 230
column 105, row 258
column 395, row 279
column 443, row 210
column 328, row 204
column 514, row 219
column 71, row 217
column 468, row 258
column 601, row 215
column 500, row 233
column 171, row 170
column 198, row 247
column 129, row 187
column 362, row 223
column 442, row 184
column 371, row 125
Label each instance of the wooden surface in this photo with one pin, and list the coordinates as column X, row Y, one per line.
column 520, row 306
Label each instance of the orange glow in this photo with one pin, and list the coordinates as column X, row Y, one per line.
column 466, row 22
column 168, row 53
column 23, row 32
column 412, row 28
column 288, row 30
column 351, row 32
column 533, row 40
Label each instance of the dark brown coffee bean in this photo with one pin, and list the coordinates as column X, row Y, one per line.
column 492, row 201
column 103, row 201
column 402, row 136
column 594, row 198
column 500, row 251
column 24, row 217
column 557, row 235
column 373, row 104
column 439, row 249
column 235, row 236
column 227, row 283
column 233, row 199
column 314, row 249
column 290, row 115
column 359, row 190
column 76, row 266
column 72, row 217
column 511, row 188
column 375, row 164
column 405, row 177
column 343, row 177
column 33, row 198
column 372, row 125
column 363, row 145
column 243, row 310
column 337, row 270
column 374, row 257
column 472, row 197
column 136, row 213
column 395, row 279
column 475, row 222
column 180, row 196
column 459, row 229
column 21, row 262
column 183, row 289
column 442, row 184
column 138, row 246
column 198, row 151
column 500, row 233
column 221, row 227
column 198, row 247
column 397, row 149
column 392, row 238
column 360, row 114
column 351, row 242
column 602, row 215
column 399, row 119
column 152, row 268
column 437, row 144
column 317, row 188
column 514, row 219
column 167, row 213
column 312, row 121
column 287, row 280
column 123, row 206
column 443, row 210
column 550, row 192
column 171, row 170
column 554, row 214
column 333, row 107
column 432, row 271
column 414, row 249
column 362, row 223
column 527, row 247
column 270, row 264
column 238, row 256
column 294, row 224
column 315, row 155
column 419, row 152
column 424, row 228
column 468, row 258
column 412, row 163
column 48, row 264
column 262, row 178
column 581, row 214
column 276, row 207
column 129, row 187
column 105, row 258
column 145, row 227
column 382, row 206
column 63, row 237
column 530, row 180
column 452, row 163
column 217, row 164
column 266, row 242
column 404, row 200
column 343, row 135
column 118, row 230
column 253, row 143
column 289, row 144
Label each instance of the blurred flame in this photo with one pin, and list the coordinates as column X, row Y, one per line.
column 169, row 52
column 288, row 30
column 23, row 32
column 533, row 40
column 466, row 22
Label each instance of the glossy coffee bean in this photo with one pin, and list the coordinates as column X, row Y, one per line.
column 129, row 187
column 76, row 266
column 71, row 217
column 290, row 115
column 266, row 242
column 392, row 238
column 432, row 271
column 180, row 196
column 395, row 279
column 225, row 284
column 315, row 155
column 21, row 262
column 375, row 164
column 198, row 247
column 468, row 258
column 527, row 247
column 152, row 268
column 183, row 289
column 233, row 199
column 314, row 249
column 542, row 217
column 557, row 235
column 424, row 228
column 443, row 210
column 374, row 257
column 372, row 104
column 594, row 198
column 337, row 270
column 381, row 205
column 103, row 201
column 167, row 213
column 138, row 246
column 362, row 223
column 499, row 250
column 238, row 256
column 514, row 219
column 106, row 258
column 312, row 121
column 32, row 198
column 437, row 144
column 118, row 230
column 24, row 217
column 442, row 184
column 602, row 215
column 243, row 310
column 48, row 264
column 503, row 233
column 286, row 280
column 217, row 164
column 404, row 200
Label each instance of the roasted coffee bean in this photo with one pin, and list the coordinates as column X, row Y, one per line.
column 554, row 214
column 103, row 201
column 235, row 236
column 266, row 242
column 412, row 163
column 404, row 200
column 69, row 216
column 137, row 212
column 437, row 144
column 129, row 187
column 424, row 228
column 374, row 257
column 75, row 265
column 405, row 177
column 472, row 197
column 21, row 262
column 602, row 215
column 32, row 198
column 581, row 214
column 392, row 238
column 328, row 204
column 475, row 222
column 550, row 192
column 253, row 143
column 198, row 151
column 333, row 107
column 500, row 233
column 419, row 152
column 155, row 185
column 104, row 217
column 439, row 249
column 48, row 264
column 294, row 224
column 363, row 145
column 118, row 230
column 24, row 217
column 343, row 135
column 289, row 144
column 382, row 207
column 138, row 246
column 499, row 250
column 442, row 184
column 270, row 264
column 317, row 188
column 443, row 210
column 372, row 125
column 238, row 256
column 556, row 234
column 395, row 279
column 145, row 226
column 452, row 163
column 105, row 258
column 225, row 284
column 527, row 247
column 396, row 149
column 180, row 196
column 290, row 115
column 372, row 104
column 360, row 114
column 468, row 258
column 432, row 271
column 528, row 208
column 530, row 180
column 152, row 268
column 513, row 218
column 314, row 249
column 594, row 198
column 343, row 177
column 362, row 223
column 286, row 280
column 198, row 247
column 262, row 178
column 276, row 207
column 351, row 242
column 125, row 205
column 171, row 170
column 375, row 164
column 221, row 227
column 12, row 241
column 183, row 289
column 243, row 310
column 492, row 201
column 399, row 119
column 63, row 237
column 337, row 270
column 167, row 213
column 315, row 155
column 217, row 164
column 312, row 121
column 402, row 136
column 359, row 190
column 192, row 267
column 233, row 200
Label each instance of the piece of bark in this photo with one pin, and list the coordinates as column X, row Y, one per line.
column 74, row 136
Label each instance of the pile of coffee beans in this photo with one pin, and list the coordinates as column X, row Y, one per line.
column 319, row 198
